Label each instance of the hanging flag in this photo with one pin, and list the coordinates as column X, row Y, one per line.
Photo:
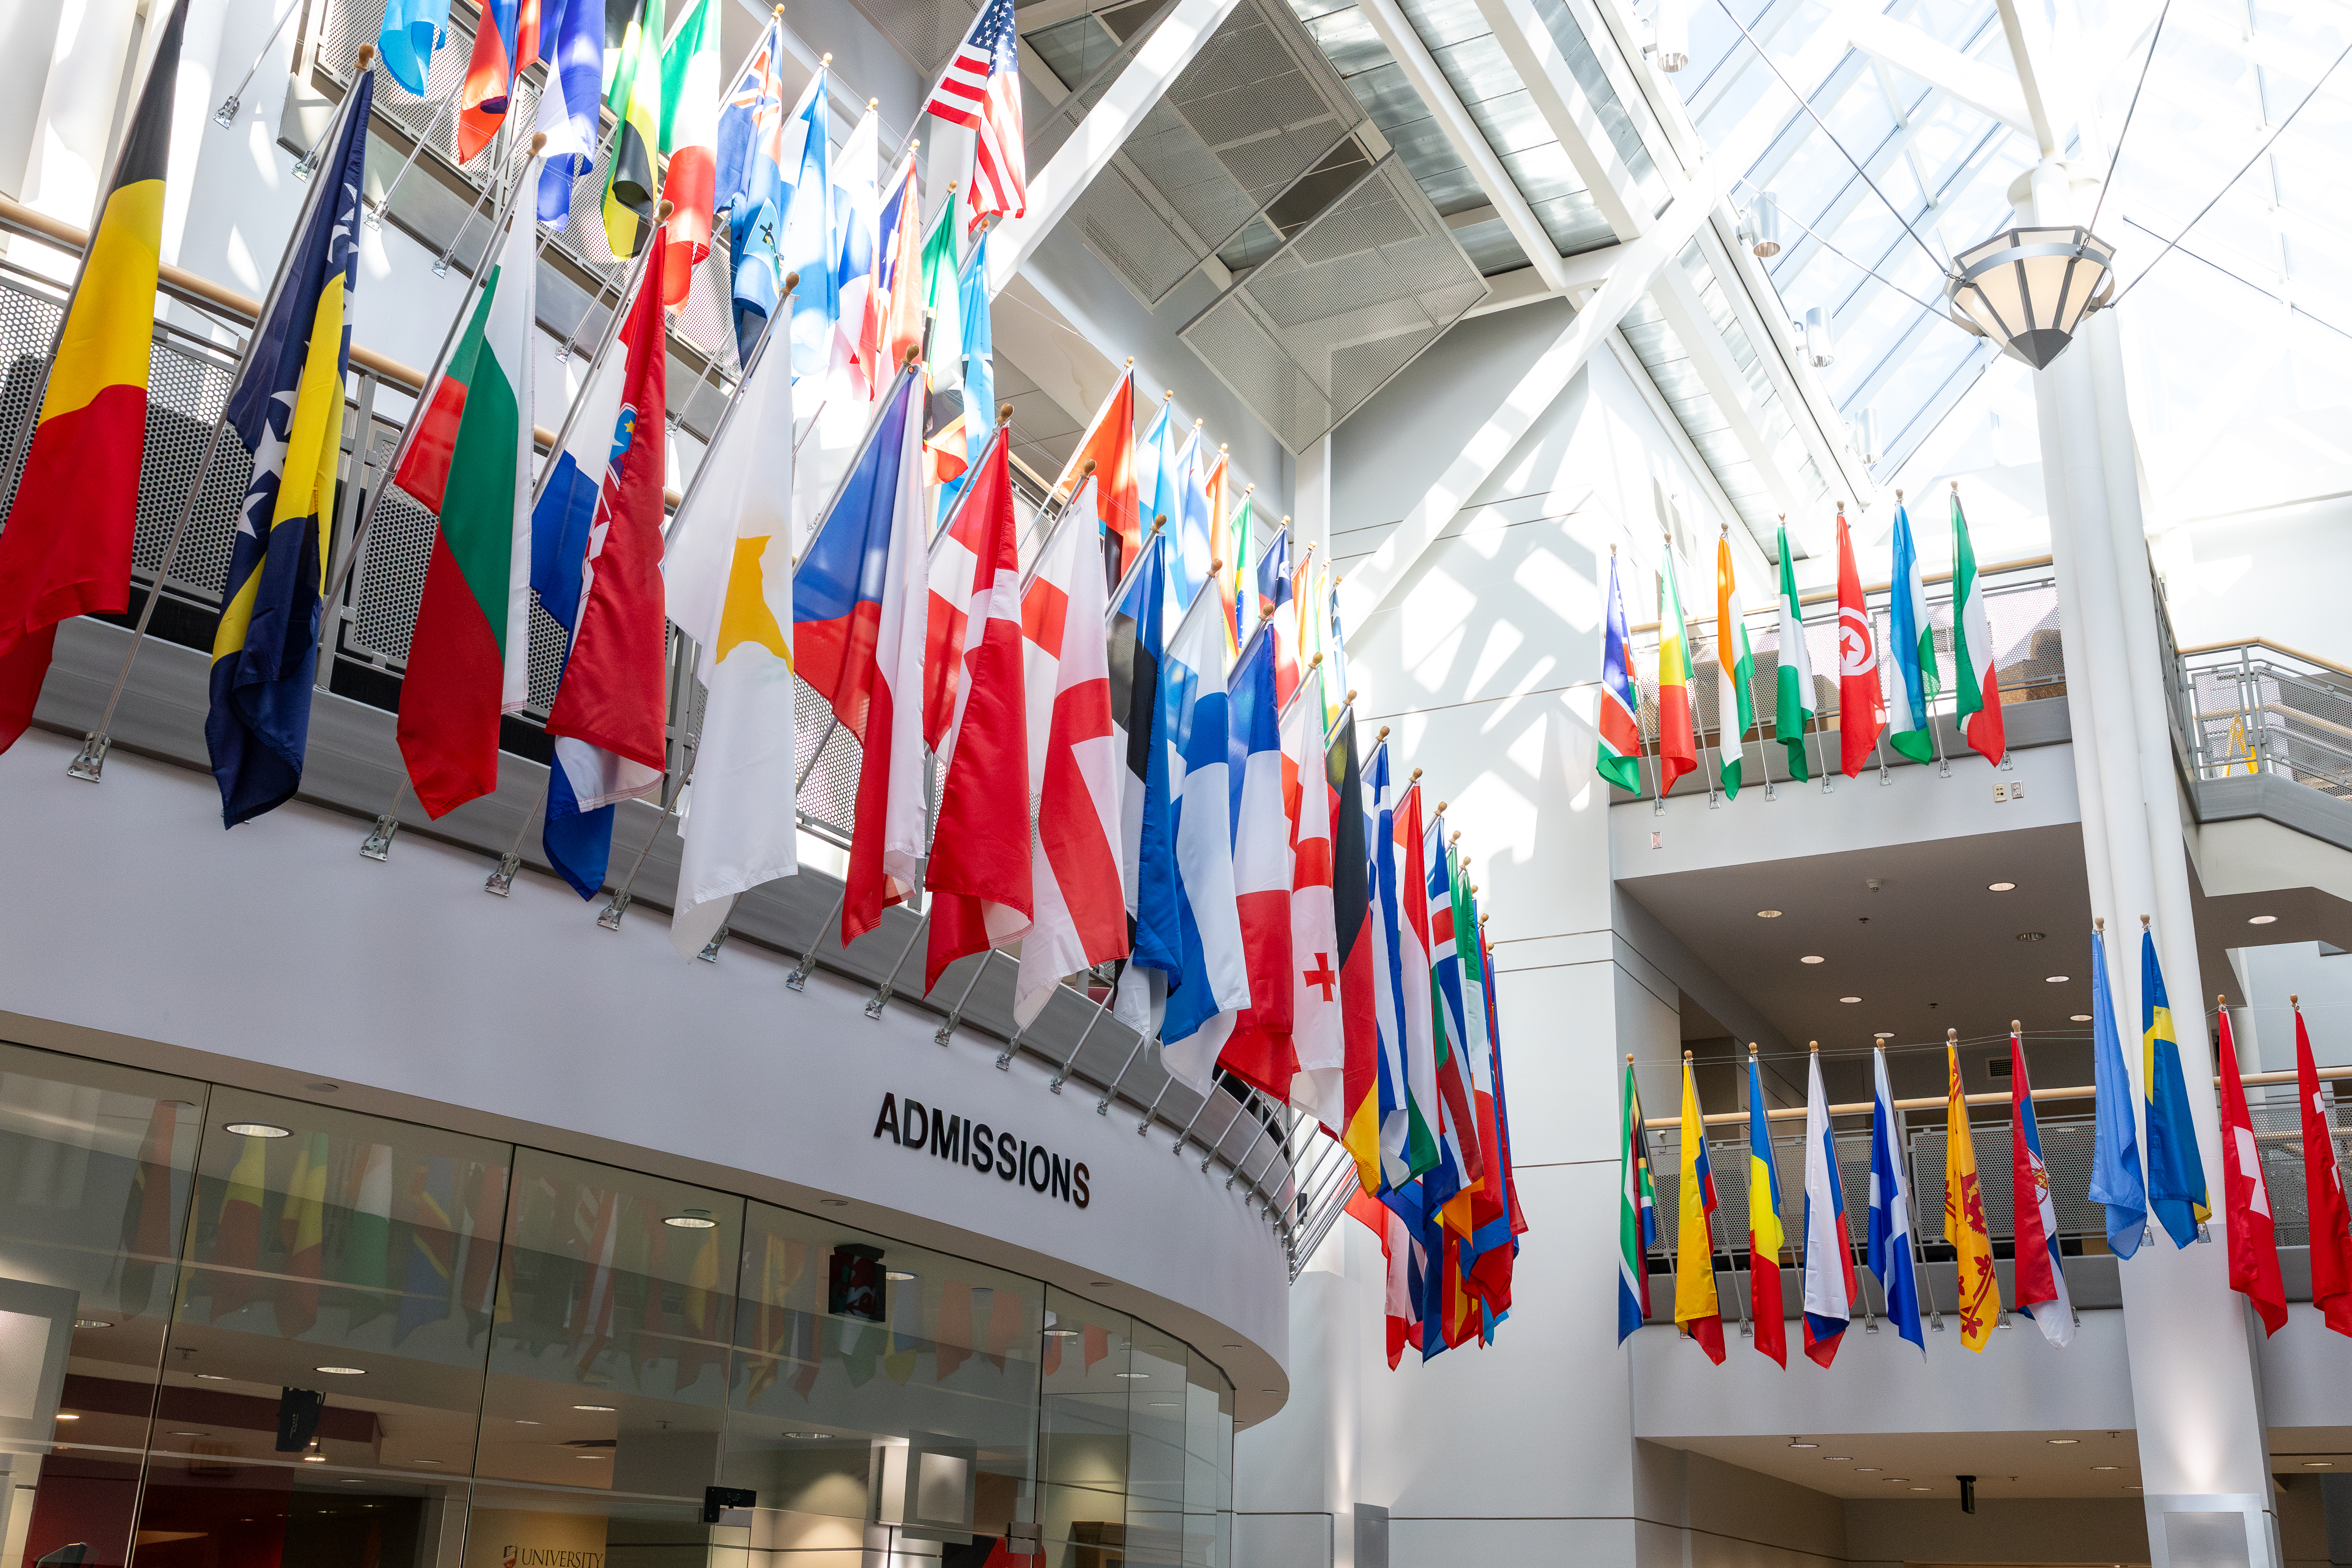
column 1860, row 708
column 1489, row 1197
column 2040, row 1272
column 1160, row 490
column 1911, row 643
column 980, row 90
column 1335, row 658
column 1829, row 1244
column 1317, row 1016
column 366, row 1258
column 807, row 242
column 1637, row 1211
column 1359, row 978
column 859, row 611
column 505, row 39
column 572, row 43
column 1081, row 920
column 1734, row 670
column 1498, row 1251
column 1677, row 733
column 151, row 1213
column 689, row 141
column 943, row 421
column 1793, row 703
column 1147, row 841
column 1461, row 1157
column 750, row 184
column 2115, row 1178
column 1399, row 1140
column 1979, row 1301
column 2176, row 1166
column 901, row 260
column 1977, row 675
column 304, row 1222
column 1619, row 756
column 235, row 1257
column 857, row 228
column 1213, row 984
column 1698, row 1312
column 610, row 714
column 1261, row 1050
column 2245, row 1191
column 411, row 31
column 1193, row 561
column 979, row 868
column 1109, row 445
column 1274, row 608
column 2323, row 1181
column 66, row 550
column 1228, row 538
column 287, row 408
column 1890, row 1208
column 1765, row 1238
column 1416, row 981
column 469, row 658
column 727, row 583
column 978, row 351
column 633, row 92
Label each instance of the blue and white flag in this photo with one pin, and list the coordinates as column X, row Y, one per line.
column 1388, row 978
column 1157, row 486
column 571, row 42
column 1911, row 648
column 1890, row 1210
column 2117, row 1179
column 1196, row 552
column 808, row 242
column 1213, row 983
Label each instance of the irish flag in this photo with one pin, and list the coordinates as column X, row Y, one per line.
column 1677, row 740
column 469, row 660
column 1978, row 677
column 1735, row 667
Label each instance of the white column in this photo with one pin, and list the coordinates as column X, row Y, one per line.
column 72, row 134
column 2204, row 1455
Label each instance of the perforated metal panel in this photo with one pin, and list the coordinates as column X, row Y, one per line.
column 925, row 31
column 1308, row 336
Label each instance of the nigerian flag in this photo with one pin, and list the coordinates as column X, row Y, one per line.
column 1795, row 684
column 1735, row 667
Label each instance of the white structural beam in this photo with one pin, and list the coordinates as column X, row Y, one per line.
column 1104, row 130
column 1462, row 134
column 1982, row 88
column 1735, row 398
column 1370, row 584
column 1567, row 112
column 2023, row 49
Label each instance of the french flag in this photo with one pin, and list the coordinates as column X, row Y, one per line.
column 859, row 611
column 1213, row 983
column 1260, row 1050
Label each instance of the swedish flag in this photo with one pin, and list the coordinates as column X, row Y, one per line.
column 287, row 408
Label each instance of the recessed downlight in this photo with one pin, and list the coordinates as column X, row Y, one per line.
column 67, row 1416
column 2031, row 936
column 520, row 1422
column 212, row 1377
column 2307, row 1464
column 2106, row 1466
column 93, row 1323
column 341, row 1371
column 1812, row 958
column 1867, row 1469
column 1849, row 998
column 692, row 1219
column 1922, row 1489
column 1837, row 1459
column 1898, row 1480
column 2061, row 1442
column 898, row 1275
column 835, row 1202
column 2055, row 979
column 1801, row 1445
column 2078, row 1017
column 2261, row 919
column 600, row 1409
column 256, row 1130
column 1131, row 1375
column 2001, row 887
column 314, row 1459
column 1767, row 915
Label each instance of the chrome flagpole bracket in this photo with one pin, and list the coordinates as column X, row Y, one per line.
column 1102, row 1107
column 609, row 918
column 1062, row 1073
column 1241, row 1109
column 377, row 844
column 955, row 1014
column 798, row 979
column 1012, row 1047
column 881, row 997
column 710, row 953
column 1152, row 1109
column 501, row 882
column 90, row 761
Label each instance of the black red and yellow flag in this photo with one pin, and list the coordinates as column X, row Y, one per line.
column 67, row 548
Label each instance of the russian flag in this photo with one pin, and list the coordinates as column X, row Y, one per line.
column 860, row 598
column 1260, row 1049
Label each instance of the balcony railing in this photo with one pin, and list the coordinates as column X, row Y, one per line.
column 2256, row 708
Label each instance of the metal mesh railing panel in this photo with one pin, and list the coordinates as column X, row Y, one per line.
column 2257, row 709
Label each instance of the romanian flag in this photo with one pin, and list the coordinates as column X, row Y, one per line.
column 1677, row 739
column 288, row 411
column 67, row 549
column 1697, row 1310
column 633, row 68
column 2176, row 1168
column 1619, row 757
column 1765, row 1236
column 1964, row 1215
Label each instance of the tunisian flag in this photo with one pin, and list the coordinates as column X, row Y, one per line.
column 2331, row 1249
column 2245, row 1197
column 1080, row 913
column 979, row 853
column 1110, row 444
column 1861, row 703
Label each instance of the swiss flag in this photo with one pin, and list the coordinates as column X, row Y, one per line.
column 2246, row 1196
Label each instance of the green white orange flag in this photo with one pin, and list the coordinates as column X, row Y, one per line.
column 469, row 659
column 1793, row 687
column 1677, row 740
column 1734, row 666
column 1972, row 652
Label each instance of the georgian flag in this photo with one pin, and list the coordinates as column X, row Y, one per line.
column 1260, row 1050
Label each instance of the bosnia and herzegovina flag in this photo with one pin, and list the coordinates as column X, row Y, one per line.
column 287, row 409
column 2176, row 1169
column 632, row 83
column 67, row 548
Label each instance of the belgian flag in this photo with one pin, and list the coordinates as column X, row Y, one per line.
column 67, row 548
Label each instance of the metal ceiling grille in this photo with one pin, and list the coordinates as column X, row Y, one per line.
column 1257, row 108
column 925, row 31
column 1308, row 336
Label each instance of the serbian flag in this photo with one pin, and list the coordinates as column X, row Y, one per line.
column 1765, row 1238
column 1861, row 704
column 2245, row 1194
column 2040, row 1276
column 859, row 616
column 980, row 861
column 2331, row 1250
column 1351, row 925
column 1109, row 445
column 67, row 549
column 1619, row 756
column 1259, row 1051
column 1698, row 1312
column 1080, row 914
column 1677, row 737
column 1828, row 1246
column 505, row 38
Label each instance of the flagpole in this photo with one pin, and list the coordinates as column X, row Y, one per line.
column 1763, row 757
column 719, row 431
column 609, row 334
column 226, row 115
column 1112, row 614
column 1051, row 526
column 90, row 761
column 873, row 428
column 383, row 204
column 1928, row 682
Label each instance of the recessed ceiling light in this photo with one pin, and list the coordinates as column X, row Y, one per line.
column 93, row 1323
column 314, row 1459
column 2307, row 1464
column 2078, row 1017
column 256, row 1130
column 592, row 1456
column 343, row 1370
column 212, row 1377
column 1132, row 1374
column 2001, row 887
column 322, row 1087
column 1867, row 1469
column 1165, row 1404
column 187, row 1433
column 1767, row 915
column 2061, row 1442
column 1898, row 1480
column 835, row 1202
column 1922, row 1489
column 1270, row 1391
column 1838, row 1457
column 520, row 1422
column 1849, row 998
column 1100, row 1284
column 1061, row 1333
column 1804, row 1445
column 2262, row 920
column 2106, row 1466
column 1812, row 958
column 2030, row 936
column 67, row 1416
column 2055, row 979
column 900, row 1275
column 601, row 1409
column 424, row 1462
column 355, row 1481
column 1234, row 1347
column 692, row 1219
column 2131, row 1487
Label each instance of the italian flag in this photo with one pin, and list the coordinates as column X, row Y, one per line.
column 1735, row 664
column 689, row 140
column 470, row 659
column 1794, row 686
column 1979, row 680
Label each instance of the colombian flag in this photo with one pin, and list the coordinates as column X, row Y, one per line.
column 67, row 548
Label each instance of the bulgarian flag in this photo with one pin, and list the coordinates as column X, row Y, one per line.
column 689, row 140
column 1618, row 759
column 1735, row 664
column 1793, row 687
column 470, row 659
column 1979, row 676
column 1677, row 740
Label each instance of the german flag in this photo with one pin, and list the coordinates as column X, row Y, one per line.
column 67, row 548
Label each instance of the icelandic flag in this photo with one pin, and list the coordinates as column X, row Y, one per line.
column 1260, row 1050
column 1890, row 1211
column 1147, row 856
column 571, row 42
column 1196, row 552
column 1829, row 1246
column 2116, row 1179
column 807, row 242
column 1274, row 599
column 860, row 598
column 1213, row 983
column 753, row 183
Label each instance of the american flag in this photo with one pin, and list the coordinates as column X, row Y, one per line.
column 981, row 89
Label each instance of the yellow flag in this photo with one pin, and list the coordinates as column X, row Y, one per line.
column 1964, row 1216
column 1697, row 1310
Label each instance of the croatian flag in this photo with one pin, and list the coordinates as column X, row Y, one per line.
column 859, row 603
column 1260, row 1050
column 1828, row 1252
column 1212, row 983
column 1890, row 1211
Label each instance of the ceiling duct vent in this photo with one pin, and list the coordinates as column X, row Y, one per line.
column 1258, row 107
column 1307, row 337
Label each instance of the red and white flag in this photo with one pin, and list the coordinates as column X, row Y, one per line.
column 1080, row 913
column 1259, row 1050
column 1318, row 1024
column 2323, row 1182
column 1862, row 702
column 2246, row 1196
column 981, row 89
column 980, row 856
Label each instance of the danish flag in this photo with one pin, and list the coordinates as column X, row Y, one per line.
column 981, row 89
